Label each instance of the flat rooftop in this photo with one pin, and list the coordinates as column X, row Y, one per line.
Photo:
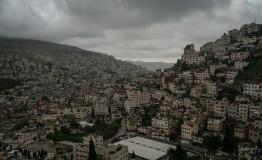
column 146, row 148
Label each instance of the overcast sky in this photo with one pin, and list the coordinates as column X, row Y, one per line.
column 148, row 30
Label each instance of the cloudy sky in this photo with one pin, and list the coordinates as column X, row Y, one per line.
column 148, row 30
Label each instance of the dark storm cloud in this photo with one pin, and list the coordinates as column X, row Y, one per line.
column 128, row 29
column 163, row 9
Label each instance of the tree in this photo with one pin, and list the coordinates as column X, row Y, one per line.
column 171, row 154
column 178, row 154
column 133, row 155
column 229, row 142
column 74, row 124
column 92, row 151
column 212, row 142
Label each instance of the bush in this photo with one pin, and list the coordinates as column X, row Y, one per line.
column 212, row 142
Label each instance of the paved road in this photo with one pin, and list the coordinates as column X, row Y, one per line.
column 193, row 149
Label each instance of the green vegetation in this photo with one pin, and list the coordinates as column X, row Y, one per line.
column 20, row 125
column 178, row 125
column 149, row 112
column 229, row 142
column 230, row 92
column 178, row 154
column 107, row 130
column 92, row 151
column 74, row 124
column 65, row 135
column 252, row 72
column 100, row 127
column 212, row 143
column 8, row 83
column 182, row 66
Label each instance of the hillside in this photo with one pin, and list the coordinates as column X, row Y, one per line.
column 152, row 66
column 44, row 63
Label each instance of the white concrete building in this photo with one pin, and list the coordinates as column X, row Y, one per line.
column 162, row 125
column 253, row 89
column 116, row 152
column 239, row 56
column 215, row 124
column 243, row 111
column 188, row 129
column 220, row 108
column 136, row 98
column 240, row 65
column 101, row 106
column 97, row 139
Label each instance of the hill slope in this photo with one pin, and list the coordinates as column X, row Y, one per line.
column 152, row 66
column 39, row 63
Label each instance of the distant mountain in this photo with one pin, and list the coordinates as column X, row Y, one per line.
column 152, row 66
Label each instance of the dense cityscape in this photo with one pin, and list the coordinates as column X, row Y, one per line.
column 62, row 102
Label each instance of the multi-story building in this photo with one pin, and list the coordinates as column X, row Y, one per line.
column 188, row 129
column 26, row 136
column 215, row 124
column 207, row 47
column 190, row 56
column 133, row 122
column 240, row 65
column 201, row 75
column 254, row 134
column 163, row 125
column 255, row 111
column 116, row 152
column 232, row 111
column 242, row 99
column 218, row 46
column 253, row 27
column 241, row 131
column 225, row 38
column 211, row 88
column 253, row 89
column 230, row 76
column 65, row 150
column 81, row 151
column 213, row 68
column 239, row 56
column 101, row 106
column 220, row 108
column 136, row 98
column 97, row 139
column 243, row 111
column 196, row 91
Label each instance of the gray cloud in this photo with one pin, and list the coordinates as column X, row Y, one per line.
column 148, row 30
column 164, row 9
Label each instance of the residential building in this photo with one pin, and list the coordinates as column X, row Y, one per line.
column 163, row 125
column 97, row 139
column 116, row 152
column 240, row 65
column 243, row 111
column 253, row 89
column 215, row 124
column 188, row 129
column 239, row 56
column 136, row 98
column 241, row 131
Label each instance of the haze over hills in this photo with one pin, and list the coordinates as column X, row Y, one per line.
column 152, row 66
column 130, row 80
